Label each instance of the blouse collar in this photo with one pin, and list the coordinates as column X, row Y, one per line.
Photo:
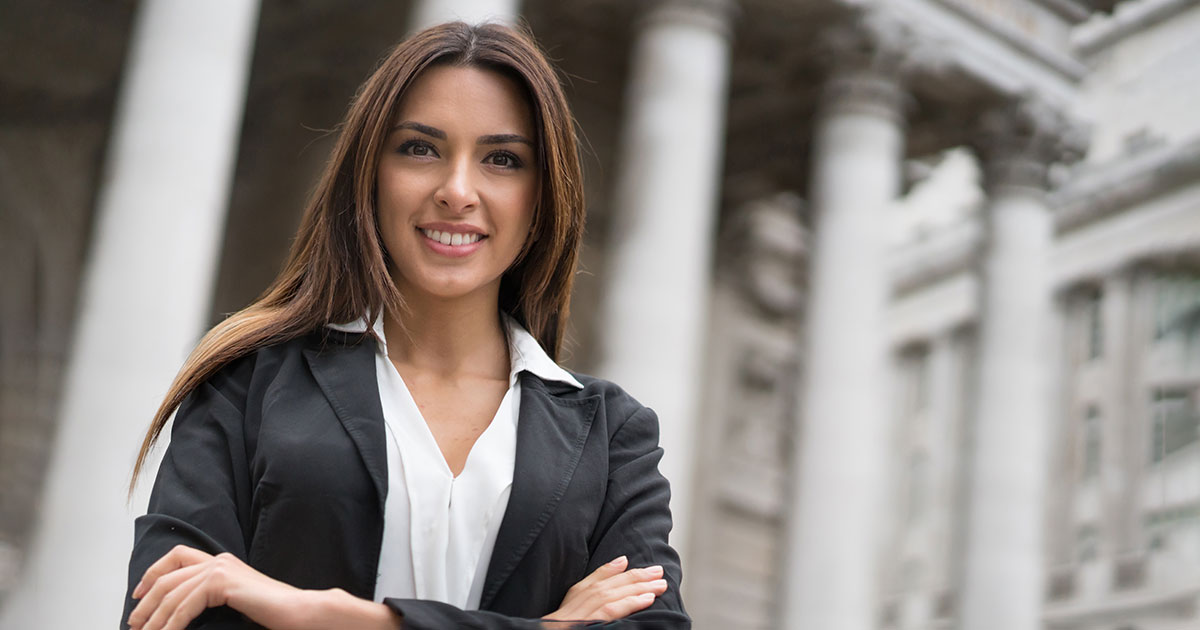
column 525, row 353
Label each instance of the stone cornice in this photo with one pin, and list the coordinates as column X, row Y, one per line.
column 1063, row 64
column 1127, row 20
column 998, row 54
column 1108, row 188
column 1149, row 602
column 1070, row 10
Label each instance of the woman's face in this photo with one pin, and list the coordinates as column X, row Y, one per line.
column 457, row 183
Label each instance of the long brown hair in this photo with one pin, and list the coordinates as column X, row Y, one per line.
column 337, row 269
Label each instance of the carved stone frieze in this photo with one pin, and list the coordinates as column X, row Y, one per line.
column 755, row 449
column 764, row 250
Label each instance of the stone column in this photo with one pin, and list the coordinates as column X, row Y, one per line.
column 946, row 369
column 426, row 13
column 831, row 577
column 1116, row 406
column 660, row 259
column 1063, row 436
column 144, row 300
column 1004, row 563
column 1138, row 418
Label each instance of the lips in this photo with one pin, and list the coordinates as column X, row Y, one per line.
column 454, row 241
column 451, row 238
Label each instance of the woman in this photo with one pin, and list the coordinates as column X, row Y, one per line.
column 384, row 440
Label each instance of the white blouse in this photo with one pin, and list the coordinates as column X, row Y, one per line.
column 438, row 529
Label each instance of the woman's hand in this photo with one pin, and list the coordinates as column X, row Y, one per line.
column 183, row 583
column 611, row 592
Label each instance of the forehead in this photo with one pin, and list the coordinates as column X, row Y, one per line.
column 466, row 98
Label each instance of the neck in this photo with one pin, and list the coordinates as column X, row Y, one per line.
column 449, row 338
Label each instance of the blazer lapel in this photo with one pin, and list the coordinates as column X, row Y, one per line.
column 551, row 432
column 346, row 375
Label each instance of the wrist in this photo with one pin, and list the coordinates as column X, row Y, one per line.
column 335, row 608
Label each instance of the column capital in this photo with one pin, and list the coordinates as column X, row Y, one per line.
column 716, row 15
column 867, row 40
column 865, row 92
column 1020, row 140
column 879, row 40
column 872, row 54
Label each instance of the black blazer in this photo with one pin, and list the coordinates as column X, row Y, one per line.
column 280, row 460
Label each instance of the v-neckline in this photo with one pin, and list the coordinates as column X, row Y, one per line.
column 424, row 434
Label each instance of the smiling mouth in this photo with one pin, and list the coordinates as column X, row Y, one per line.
column 452, row 238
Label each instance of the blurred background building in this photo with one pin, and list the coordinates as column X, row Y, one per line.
column 914, row 285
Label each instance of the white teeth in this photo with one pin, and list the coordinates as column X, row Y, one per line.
column 452, row 239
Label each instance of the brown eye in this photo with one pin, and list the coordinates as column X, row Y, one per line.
column 417, row 148
column 504, row 159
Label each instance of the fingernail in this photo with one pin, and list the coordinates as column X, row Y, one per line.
column 617, row 561
column 137, row 590
column 659, row 584
column 647, row 596
column 656, row 569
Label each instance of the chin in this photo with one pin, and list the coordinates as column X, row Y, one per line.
column 450, row 289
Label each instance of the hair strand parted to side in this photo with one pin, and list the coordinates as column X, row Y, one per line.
column 337, row 269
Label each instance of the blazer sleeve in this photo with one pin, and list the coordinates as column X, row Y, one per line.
column 201, row 494
column 634, row 521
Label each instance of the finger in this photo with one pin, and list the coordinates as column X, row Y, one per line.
column 657, row 587
column 171, row 602
column 623, row 607
column 643, row 574
column 602, row 587
column 189, row 608
column 604, row 571
column 178, row 557
column 616, row 586
column 161, row 588
column 606, row 596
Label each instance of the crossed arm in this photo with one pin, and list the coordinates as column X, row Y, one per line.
column 186, row 581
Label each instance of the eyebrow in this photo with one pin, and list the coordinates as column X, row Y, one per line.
column 496, row 138
column 503, row 138
column 425, row 129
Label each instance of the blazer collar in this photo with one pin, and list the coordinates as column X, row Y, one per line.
column 551, row 431
column 343, row 365
column 553, row 425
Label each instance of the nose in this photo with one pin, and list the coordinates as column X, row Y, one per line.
column 457, row 191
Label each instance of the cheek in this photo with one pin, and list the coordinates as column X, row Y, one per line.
column 528, row 195
column 394, row 208
column 522, row 219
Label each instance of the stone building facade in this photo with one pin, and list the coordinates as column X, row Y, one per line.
column 914, row 285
